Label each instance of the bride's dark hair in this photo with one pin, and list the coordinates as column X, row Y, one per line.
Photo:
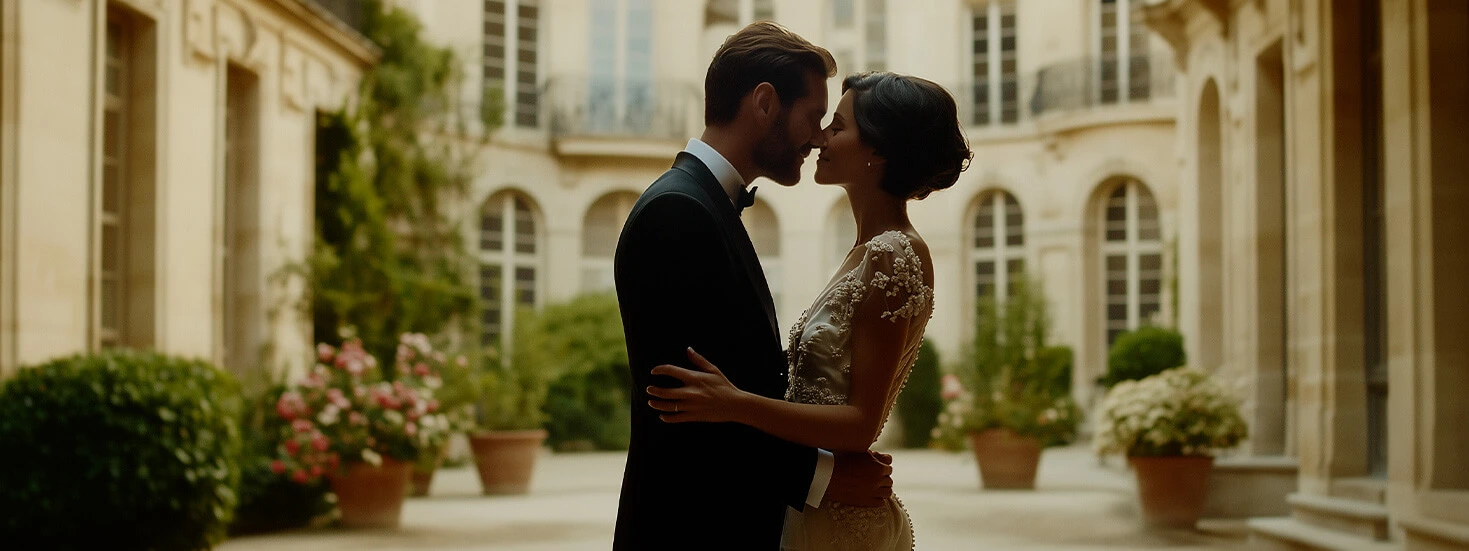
column 914, row 125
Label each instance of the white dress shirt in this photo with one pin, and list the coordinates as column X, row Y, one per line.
column 733, row 184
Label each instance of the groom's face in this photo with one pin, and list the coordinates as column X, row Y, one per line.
column 793, row 134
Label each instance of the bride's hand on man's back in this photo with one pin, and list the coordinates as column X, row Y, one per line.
column 706, row 394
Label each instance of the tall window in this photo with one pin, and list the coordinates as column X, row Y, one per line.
column 242, row 320
column 998, row 248
column 512, row 57
column 1132, row 256
column 843, row 13
column 509, row 257
column 738, row 12
column 621, row 88
column 876, row 35
column 600, row 229
column 995, row 69
column 112, row 215
column 1125, row 70
column 122, row 283
column 765, row 235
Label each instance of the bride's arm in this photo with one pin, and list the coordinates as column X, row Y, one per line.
column 878, row 338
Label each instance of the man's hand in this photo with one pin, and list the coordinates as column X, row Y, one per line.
column 863, row 479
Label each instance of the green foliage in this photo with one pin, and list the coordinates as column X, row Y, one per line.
column 1142, row 353
column 919, row 404
column 138, row 448
column 572, row 357
column 1016, row 380
column 269, row 501
column 389, row 257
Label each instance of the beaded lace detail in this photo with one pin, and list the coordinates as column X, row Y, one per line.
column 891, row 274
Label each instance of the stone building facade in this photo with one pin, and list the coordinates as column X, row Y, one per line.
column 1325, row 149
column 1069, row 105
column 158, row 169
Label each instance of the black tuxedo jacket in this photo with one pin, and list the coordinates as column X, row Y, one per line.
column 686, row 276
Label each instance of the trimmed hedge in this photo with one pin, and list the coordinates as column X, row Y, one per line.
column 1142, row 353
column 135, row 449
column 919, row 404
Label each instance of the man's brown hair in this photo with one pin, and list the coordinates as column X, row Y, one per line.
column 761, row 52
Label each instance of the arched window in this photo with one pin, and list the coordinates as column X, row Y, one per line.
column 600, row 229
column 1132, row 258
column 998, row 245
column 509, row 260
column 764, row 230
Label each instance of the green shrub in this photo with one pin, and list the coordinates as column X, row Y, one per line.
column 1142, row 353
column 919, row 404
column 269, row 501
column 1054, row 364
column 138, row 448
column 579, row 345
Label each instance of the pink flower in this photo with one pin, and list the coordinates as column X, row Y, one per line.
column 461, row 361
column 315, row 471
column 421, row 370
column 290, row 406
column 300, row 477
column 951, row 386
column 433, row 405
column 277, row 466
column 320, row 442
column 357, row 419
column 410, row 428
column 324, row 352
column 292, row 446
column 302, row 425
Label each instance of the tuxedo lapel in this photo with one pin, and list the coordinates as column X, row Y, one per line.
column 729, row 220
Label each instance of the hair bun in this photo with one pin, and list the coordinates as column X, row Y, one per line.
column 913, row 123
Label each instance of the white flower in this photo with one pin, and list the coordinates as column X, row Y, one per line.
column 371, row 457
column 329, row 415
column 393, row 416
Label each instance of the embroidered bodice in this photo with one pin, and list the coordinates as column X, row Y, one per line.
column 885, row 289
column 888, row 280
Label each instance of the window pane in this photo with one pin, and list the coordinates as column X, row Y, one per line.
column 843, row 13
column 491, row 232
column 525, row 286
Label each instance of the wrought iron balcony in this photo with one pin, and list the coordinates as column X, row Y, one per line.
column 1096, row 82
column 595, row 107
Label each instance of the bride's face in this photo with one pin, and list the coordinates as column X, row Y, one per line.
column 845, row 159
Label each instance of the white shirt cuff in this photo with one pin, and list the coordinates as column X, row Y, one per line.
column 825, row 464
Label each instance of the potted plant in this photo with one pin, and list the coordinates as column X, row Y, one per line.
column 1014, row 399
column 419, row 365
column 508, row 412
column 1169, row 425
column 362, row 433
column 1006, row 426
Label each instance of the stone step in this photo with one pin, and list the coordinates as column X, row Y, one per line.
column 1431, row 534
column 1368, row 490
column 1288, row 534
column 1357, row 518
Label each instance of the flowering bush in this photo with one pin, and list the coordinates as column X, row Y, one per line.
column 1051, row 420
column 342, row 411
column 1177, row 412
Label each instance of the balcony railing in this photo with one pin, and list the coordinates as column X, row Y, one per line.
column 593, row 107
column 1094, row 82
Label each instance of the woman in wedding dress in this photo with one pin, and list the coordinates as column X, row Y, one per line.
column 893, row 138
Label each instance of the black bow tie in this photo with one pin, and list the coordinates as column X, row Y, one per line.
column 746, row 198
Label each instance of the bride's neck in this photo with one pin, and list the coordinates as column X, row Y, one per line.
column 876, row 211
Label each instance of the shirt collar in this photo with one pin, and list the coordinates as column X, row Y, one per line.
column 728, row 177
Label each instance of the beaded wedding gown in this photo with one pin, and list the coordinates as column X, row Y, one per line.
column 887, row 279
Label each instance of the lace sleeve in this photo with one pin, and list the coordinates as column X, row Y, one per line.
column 894, row 277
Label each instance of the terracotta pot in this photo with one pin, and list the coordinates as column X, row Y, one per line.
column 424, row 479
column 372, row 497
column 505, row 460
column 1172, row 489
column 1007, row 460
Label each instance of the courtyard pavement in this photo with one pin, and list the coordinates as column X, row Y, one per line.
column 1079, row 505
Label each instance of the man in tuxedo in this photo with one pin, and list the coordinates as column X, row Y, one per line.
column 687, row 276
